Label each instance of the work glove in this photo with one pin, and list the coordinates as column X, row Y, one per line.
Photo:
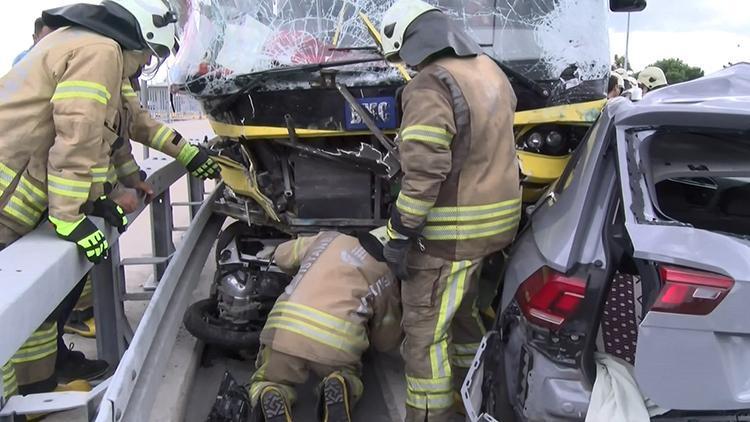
column 110, row 212
column 396, row 254
column 197, row 161
column 86, row 235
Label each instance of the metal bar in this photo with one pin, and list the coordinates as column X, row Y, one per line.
column 108, row 308
column 55, row 402
column 161, row 225
column 138, row 296
column 196, row 189
column 133, row 388
column 186, row 204
column 146, row 260
column 368, row 120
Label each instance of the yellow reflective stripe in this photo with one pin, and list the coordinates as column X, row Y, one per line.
column 128, row 91
column 37, row 204
column 99, row 174
column 160, row 137
column 430, row 134
column 466, row 349
column 81, row 90
column 112, row 174
column 17, row 209
column 295, row 250
column 413, row 206
column 474, row 212
column 67, row 187
column 426, row 401
column 471, row 231
column 449, row 303
column 35, row 353
column 37, row 195
column 127, row 169
column 87, row 288
column 10, row 384
column 393, row 234
column 314, row 333
column 6, row 175
column 42, row 335
column 429, row 385
column 462, row 361
column 322, row 318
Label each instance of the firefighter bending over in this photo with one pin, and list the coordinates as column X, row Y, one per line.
column 460, row 197
column 55, row 155
column 342, row 299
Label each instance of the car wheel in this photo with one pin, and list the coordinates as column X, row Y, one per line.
column 202, row 322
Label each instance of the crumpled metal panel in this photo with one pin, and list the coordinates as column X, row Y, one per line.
column 225, row 38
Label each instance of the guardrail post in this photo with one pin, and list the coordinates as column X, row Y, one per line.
column 109, row 312
column 196, row 190
column 161, row 225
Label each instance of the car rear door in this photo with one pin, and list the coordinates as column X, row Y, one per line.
column 693, row 347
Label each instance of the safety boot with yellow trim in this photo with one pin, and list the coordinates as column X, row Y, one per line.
column 274, row 405
column 336, row 398
column 85, row 328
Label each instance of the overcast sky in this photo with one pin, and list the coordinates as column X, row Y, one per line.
column 705, row 33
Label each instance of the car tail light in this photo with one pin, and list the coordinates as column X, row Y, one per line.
column 548, row 298
column 687, row 291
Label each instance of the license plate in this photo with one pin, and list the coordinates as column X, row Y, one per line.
column 382, row 109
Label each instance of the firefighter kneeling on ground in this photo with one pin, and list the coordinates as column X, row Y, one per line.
column 342, row 299
column 460, row 197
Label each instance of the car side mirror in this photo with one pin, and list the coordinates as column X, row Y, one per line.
column 627, row 5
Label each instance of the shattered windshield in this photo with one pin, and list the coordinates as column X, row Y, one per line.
column 540, row 38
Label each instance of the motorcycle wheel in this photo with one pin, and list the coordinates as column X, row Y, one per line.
column 201, row 321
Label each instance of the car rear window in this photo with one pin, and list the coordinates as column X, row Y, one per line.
column 701, row 179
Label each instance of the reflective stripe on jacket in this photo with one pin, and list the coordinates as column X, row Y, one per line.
column 53, row 109
column 461, row 185
column 340, row 301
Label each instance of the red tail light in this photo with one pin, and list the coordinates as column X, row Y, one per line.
column 693, row 292
column 548, row 298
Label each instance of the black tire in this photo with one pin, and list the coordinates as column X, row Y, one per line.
column 200, row 322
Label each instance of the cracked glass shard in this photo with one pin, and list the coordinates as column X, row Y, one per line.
column 223, row 39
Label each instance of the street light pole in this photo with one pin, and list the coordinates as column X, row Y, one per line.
column 627, row 45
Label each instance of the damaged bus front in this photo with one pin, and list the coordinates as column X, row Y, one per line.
column 307, row 111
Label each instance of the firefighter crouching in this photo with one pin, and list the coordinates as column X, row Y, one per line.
column 342, row 299
column 54, row 154
column 460, row 197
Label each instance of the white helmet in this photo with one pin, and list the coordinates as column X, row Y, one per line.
column 652, row 77
column 395, row 22
column 157, row 24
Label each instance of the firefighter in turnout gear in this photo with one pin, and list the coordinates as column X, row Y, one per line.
column 342, row 299
column 460, row 196
column 55, row 155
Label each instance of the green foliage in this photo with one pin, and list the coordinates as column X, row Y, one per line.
column 678, row 71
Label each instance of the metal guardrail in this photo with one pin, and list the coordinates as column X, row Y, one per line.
column 39, row 270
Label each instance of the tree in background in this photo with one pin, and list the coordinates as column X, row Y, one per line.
column 678, row 71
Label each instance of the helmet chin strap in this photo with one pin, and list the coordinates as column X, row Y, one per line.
column 149, row 72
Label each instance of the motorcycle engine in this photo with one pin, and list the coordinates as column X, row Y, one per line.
column 247, row 284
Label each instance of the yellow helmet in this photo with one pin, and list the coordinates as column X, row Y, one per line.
column 652, row 77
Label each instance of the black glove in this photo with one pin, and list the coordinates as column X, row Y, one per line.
column 110, row 212
column 200, row 164
column 396, row 253
column 86, row 235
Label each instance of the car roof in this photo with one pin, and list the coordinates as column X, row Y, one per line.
column 723, row 98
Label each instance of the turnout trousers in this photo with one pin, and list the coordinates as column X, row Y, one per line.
column 443, row 331
column 284, row 372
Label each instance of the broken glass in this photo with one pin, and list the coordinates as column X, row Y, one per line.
column 223, row 39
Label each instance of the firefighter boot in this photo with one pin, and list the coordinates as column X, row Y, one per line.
column 274, row 405
column 335, row 394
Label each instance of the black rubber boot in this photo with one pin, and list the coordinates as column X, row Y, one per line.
column 336, row 399
column 274, row 406
column 75, row 366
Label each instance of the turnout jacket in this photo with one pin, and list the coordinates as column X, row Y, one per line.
column 460, row 192
column 340, row 301
column 54, row 105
